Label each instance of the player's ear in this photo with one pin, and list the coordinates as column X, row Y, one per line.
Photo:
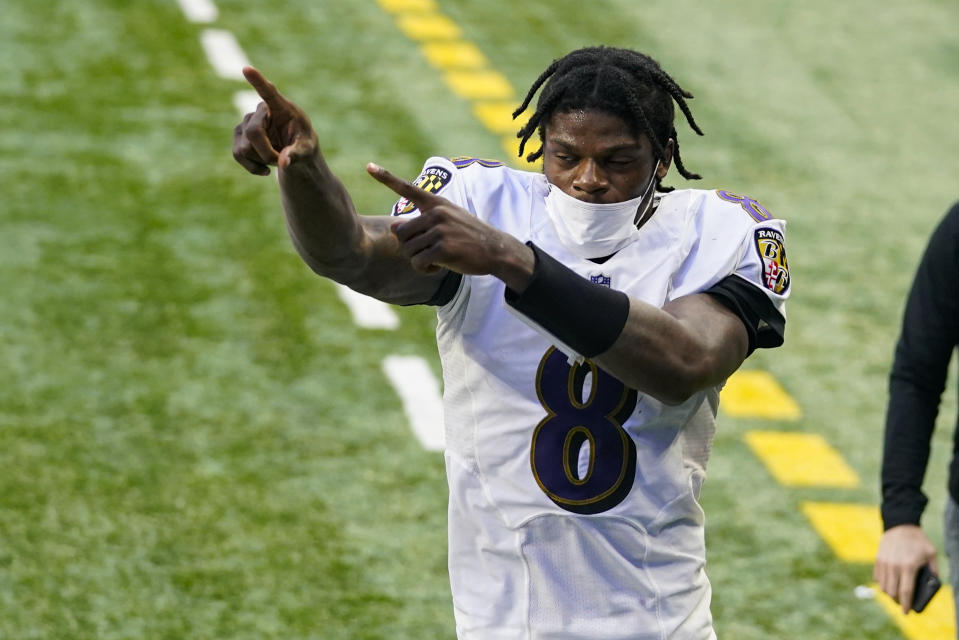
column 664, row 164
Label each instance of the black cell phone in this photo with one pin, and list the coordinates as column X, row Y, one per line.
column 927, row 584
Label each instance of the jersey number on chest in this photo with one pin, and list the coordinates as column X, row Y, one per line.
column 584, row 406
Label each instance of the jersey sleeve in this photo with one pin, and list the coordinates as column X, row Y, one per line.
column 737, row 252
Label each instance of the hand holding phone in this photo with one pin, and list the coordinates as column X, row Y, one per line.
column 927, row 584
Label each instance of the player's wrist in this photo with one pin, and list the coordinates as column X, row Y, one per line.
column 514, row 263
column 308, row 175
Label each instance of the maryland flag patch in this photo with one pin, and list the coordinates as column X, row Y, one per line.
column 432, row 179
column 772, row 253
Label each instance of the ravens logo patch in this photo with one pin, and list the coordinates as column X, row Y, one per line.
column 432, row 179
column 772, row 252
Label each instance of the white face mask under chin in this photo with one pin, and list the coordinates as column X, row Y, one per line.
column 590, row 230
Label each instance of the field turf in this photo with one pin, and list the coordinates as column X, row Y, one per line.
column 195, row 439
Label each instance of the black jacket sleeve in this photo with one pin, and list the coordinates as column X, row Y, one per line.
column 930, row 332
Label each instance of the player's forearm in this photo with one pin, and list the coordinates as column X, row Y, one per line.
column 669, row 353
column 662, row 356
column 321, row 218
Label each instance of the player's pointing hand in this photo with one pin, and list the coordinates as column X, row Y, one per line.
column 446, row 235
column 277, row 133
column 420, row 197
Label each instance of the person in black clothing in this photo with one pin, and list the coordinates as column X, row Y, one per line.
column 930, row 333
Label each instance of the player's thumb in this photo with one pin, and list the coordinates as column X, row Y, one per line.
column 301, row 148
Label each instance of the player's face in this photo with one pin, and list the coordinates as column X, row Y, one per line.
column 595, row 157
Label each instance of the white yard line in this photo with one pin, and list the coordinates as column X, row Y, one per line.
column 368, row 312
column 410, row 375
column 246, row 101
column 419, row 391
column 201, row 11
column 224, row 53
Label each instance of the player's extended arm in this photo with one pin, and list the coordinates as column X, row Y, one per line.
column 358, row 251
column 692, row 343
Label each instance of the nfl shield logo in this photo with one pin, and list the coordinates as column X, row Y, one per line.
column 606, row 281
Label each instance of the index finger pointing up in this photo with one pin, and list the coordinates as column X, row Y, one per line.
column 420, row 197
column 264, row 87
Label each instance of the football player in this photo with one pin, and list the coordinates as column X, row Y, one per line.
column 588, row 316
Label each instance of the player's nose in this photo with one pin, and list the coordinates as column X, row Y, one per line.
column 590, row 181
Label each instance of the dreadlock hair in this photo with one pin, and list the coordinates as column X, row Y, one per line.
column 621, row 82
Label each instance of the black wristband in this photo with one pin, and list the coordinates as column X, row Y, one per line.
column 584, row 315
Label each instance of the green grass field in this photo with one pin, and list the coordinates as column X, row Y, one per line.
column 197, row 442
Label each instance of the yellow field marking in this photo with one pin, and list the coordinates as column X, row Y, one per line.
column 497, row 116
column 467, row 70
column 433, row 26
column 454, row 55
column 756, row 394
column 936, row 622
column 396, row 6
column 511, row 145
column 801, row 459
column 851, row 530
column 474, row 85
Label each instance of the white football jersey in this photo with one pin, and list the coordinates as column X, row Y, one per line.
column 573, row 507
